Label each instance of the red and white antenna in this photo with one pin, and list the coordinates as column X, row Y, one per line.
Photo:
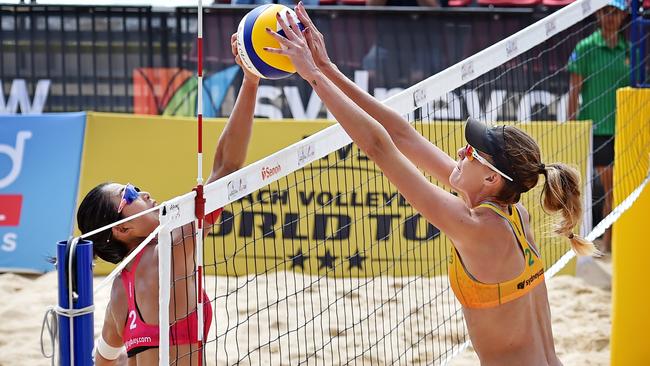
column 200, row 200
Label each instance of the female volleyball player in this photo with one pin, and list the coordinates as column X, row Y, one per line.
column 495, row 269
column 131, row 321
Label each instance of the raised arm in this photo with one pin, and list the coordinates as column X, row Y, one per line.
column 439, row 207
column 410, row 142
column 229, row 156
column 233, row 142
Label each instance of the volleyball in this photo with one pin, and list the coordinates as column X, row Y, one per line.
column 252, row 38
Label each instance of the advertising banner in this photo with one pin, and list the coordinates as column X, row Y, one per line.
column 39, row 171
column 338, row 215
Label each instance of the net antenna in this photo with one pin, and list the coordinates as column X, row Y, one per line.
column 200, row 199
column 199, row 214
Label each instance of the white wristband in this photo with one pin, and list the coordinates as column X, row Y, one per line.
column 106, row 350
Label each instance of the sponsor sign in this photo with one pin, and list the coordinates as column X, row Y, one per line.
column 39, row 171
column 270, row 171
column 337, row 215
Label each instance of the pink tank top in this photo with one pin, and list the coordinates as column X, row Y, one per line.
column 139, row 336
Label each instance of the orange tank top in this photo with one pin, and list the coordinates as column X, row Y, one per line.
column 475, row 294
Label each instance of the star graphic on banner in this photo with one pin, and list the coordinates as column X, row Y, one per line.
column 326, row 261
column 356, row 260
column 298, row 259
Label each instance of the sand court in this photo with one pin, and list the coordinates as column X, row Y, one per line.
column 283, row 317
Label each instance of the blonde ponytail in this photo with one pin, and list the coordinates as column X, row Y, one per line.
column 561, row 194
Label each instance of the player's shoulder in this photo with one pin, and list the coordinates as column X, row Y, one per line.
column 525, row 216
column 589, row 42
column 149, row 259
column 118, row 302
column 117, row 289
column 488, row 216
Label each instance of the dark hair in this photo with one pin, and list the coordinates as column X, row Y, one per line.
column 97, row 210
column 561, row 192
column 625, row 26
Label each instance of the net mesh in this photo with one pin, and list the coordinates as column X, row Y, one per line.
column 328, row 264
column 339, row 269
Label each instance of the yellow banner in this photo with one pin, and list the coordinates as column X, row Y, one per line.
column 632, row 145
column 337, row 216
column 630, row 318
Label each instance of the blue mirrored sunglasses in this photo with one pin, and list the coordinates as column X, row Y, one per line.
column 129, row 194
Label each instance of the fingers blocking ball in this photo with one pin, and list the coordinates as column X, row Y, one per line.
column 252, row 38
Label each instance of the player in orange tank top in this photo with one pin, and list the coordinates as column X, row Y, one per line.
column 496, row 268
column 131, row 321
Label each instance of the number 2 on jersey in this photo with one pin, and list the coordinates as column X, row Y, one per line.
column 529, row 254
column 132, row 317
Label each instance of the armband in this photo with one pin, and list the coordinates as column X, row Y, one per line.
column 106, row 350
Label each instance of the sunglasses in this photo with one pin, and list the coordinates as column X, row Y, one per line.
column 471, row 154
column 129, row 194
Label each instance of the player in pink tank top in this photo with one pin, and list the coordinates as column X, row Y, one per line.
column 130, row 330
column 139, row 336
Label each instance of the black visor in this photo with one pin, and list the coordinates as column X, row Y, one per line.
column 489, row 140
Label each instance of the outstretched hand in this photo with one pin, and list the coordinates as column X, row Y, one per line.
column 295, row 47
column 235, row 52
column 315, row 39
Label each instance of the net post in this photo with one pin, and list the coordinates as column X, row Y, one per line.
column 75, row 279
column 164, row 285
column 199, row 199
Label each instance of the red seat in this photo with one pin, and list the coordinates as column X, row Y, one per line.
column 509, row 3
column 557, row 2
column 458, row 3
column 327, row 2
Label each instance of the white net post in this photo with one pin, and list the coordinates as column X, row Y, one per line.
column 164, row 284
column 173, row 215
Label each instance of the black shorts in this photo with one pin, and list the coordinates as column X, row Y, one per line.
column 603, row 150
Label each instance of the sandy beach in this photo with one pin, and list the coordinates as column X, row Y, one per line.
column 282, row 318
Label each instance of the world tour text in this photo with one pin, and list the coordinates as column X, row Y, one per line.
column 323, row 226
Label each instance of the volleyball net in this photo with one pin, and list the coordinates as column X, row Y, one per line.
column 317, row 258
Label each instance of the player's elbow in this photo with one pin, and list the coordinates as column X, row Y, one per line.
column 231, row 166
column 377, row 146
column 225, row 168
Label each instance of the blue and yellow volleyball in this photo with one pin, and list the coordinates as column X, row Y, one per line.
column 252, row 38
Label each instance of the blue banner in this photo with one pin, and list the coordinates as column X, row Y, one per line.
column 40, row 157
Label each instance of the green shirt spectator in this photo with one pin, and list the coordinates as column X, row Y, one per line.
column 603, row 70
column 597, row 67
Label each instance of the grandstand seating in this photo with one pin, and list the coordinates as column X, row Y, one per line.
column 353, row 2
column 459, row 3
column 509, row 3
column 555, row 3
